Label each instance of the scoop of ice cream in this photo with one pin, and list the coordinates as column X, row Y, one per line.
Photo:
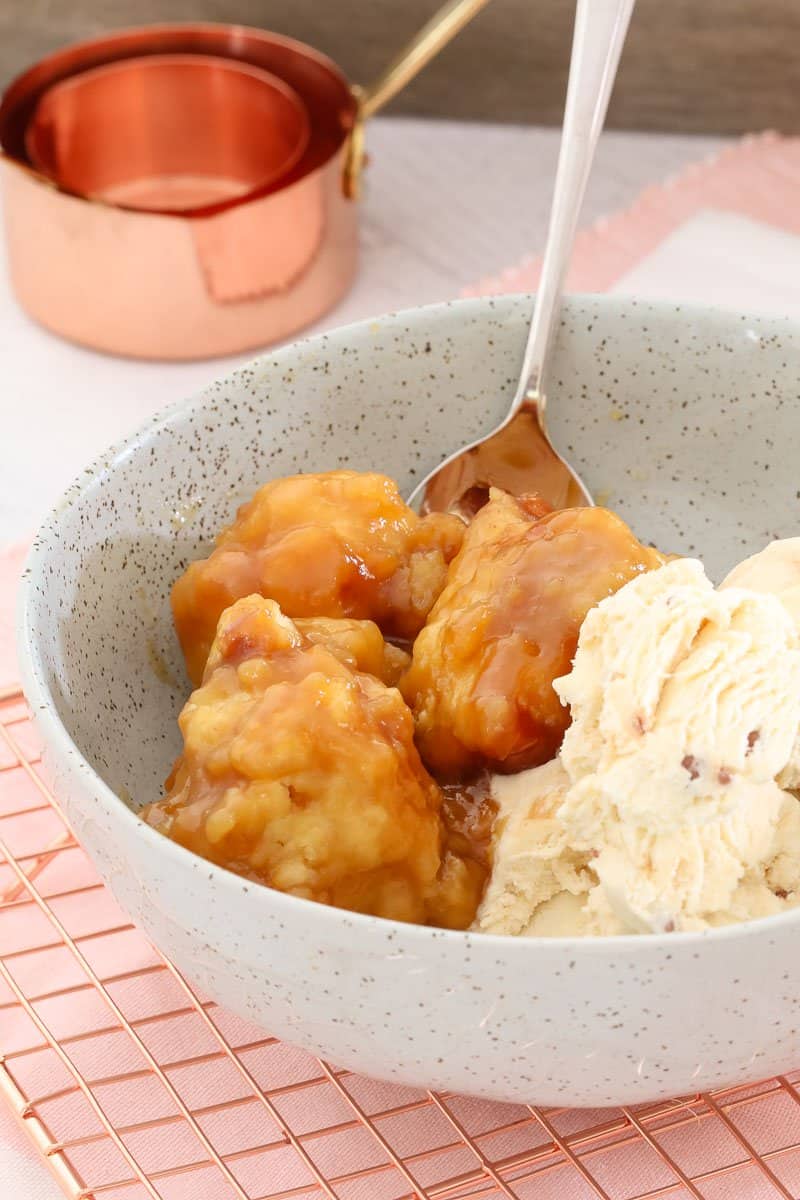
column 532, row 863
column 776, row 570
column 663, row 808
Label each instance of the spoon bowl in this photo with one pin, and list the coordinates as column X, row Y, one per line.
column 518, row 455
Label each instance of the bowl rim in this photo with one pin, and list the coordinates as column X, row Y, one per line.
column 45, row 712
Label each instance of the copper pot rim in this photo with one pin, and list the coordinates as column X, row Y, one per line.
column 22, row 94
column 337, row 109
column 267, row 79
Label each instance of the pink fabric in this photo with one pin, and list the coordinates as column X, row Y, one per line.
column 12, row 559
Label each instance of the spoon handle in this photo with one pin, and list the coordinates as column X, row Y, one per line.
column 600, row 29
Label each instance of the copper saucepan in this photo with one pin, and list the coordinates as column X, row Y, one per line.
column 168, row 132
column 216, row 277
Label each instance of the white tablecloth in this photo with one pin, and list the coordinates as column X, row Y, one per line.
column 446, row 204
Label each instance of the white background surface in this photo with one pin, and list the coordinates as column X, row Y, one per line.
column 446, row 205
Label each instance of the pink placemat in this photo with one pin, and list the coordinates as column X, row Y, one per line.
column 757, row 178
column 132, row 1085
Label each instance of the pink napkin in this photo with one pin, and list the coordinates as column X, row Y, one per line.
column 12, row 559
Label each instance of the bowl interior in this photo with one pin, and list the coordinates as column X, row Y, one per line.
column 682, row 420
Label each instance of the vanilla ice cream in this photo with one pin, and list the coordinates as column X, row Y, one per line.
column 662, row 811
column 776, row 569
column 533, row 863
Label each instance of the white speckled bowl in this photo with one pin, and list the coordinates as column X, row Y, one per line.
column 685, row 420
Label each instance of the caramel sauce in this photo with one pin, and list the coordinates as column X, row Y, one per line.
column 468, row 814
column 301, row 765
column 506, row 625
column 299, row 770
column 340, row 544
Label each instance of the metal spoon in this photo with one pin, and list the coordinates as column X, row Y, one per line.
column 518, row 455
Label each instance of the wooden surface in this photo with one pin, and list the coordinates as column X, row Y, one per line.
column 691, row 65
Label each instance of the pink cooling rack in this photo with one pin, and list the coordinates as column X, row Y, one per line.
column 132, row 1085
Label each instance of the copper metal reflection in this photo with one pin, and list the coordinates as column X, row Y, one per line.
column 168, row 133
column 518, row 458
column 242, row 272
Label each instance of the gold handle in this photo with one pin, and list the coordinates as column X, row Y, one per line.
column 443, row 26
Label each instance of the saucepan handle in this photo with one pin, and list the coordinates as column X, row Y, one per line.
column 443, row 26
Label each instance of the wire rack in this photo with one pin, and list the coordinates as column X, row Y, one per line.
column 134, row 1086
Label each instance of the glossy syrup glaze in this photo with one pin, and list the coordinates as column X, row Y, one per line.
column 517, row 458
column 506, row 625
